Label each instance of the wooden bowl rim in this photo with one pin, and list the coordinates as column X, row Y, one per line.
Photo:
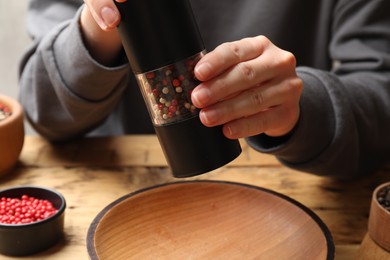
column 327, row 234
column 15, row 107
column 375, row 198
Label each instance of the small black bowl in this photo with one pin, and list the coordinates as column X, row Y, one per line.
column 31, row 238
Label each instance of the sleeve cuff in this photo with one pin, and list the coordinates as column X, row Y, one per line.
column 313, row 132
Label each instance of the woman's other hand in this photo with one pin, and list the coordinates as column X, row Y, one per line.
column 98, row 22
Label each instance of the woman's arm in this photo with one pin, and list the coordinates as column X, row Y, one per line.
column 67, row 87
column 345, row 113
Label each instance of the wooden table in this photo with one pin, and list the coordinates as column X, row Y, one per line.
column 93, row 172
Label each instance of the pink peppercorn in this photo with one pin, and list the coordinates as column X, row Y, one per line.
column 4, row 111
column 155, row 92
column 150, row 75
column 165, row 82
column 181, row 77
column 176, row 82
column 24, row 210
column 172, row 109
column 174, row 102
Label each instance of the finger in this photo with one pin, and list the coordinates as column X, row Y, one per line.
column 104, row 12
column 271, row 64
column 271, row 121
column 252, row 101
column 229, row 54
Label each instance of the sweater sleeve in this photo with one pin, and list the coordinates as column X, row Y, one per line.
column 64, row 91
column 345, row 113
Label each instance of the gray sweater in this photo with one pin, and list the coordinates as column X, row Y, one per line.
column 343, row 53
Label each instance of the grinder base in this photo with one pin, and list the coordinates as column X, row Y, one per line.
column 192, row 148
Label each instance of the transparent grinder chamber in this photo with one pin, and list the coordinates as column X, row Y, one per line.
column 167, row 91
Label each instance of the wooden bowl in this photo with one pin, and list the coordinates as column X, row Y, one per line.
column 376, row 243
column 208, row 220
column 379, row 220
column 11, row 135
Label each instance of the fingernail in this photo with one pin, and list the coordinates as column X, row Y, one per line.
column 203, row 71
column 109, row 16
column 200, row 97
column 209, row 117
column 230, row 130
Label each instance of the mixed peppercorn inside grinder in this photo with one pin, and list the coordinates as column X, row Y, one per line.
column 163, row 44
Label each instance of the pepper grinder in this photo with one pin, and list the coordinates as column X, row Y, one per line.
column 163, row 44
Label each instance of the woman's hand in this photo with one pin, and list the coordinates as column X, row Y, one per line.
column 104, row 12
column 250, row 86
column 98, row 23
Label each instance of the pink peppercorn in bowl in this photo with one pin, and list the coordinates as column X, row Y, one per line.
column 31, row 219
column 11, row 133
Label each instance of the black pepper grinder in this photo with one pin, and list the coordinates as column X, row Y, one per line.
column 163, row 44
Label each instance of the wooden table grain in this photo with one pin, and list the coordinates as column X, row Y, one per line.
column 93, row 172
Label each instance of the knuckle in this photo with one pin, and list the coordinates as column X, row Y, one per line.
column 261, row 43
column 247, row 71
column 298, row 84
column 256, row 97
column 263, row 40
column 294, row 85
column 235, row 50
column 288, row 59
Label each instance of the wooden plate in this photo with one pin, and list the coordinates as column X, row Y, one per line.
column 208, row 220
